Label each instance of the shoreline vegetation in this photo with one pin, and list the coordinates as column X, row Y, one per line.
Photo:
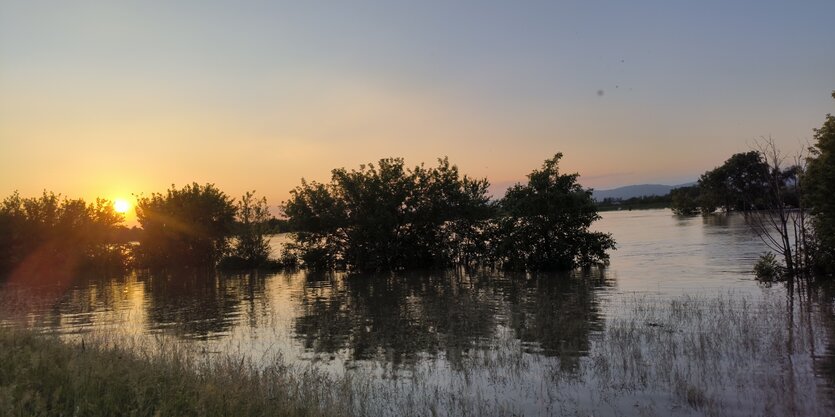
column 42, row 375
column 636, row 203
column 381, row 217
column 692, row 355
column 388, row 217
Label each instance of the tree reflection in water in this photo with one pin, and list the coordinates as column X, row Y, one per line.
column 201, row 304
column 400, row 318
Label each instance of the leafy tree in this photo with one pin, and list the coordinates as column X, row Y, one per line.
column 389, row 217
column 685, row 200
column 820, row 191
column 187, row 226
column 545, row 223
column 64, row 233
column 737, row 185
column 251, row 248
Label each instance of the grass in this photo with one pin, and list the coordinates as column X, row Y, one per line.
column 44, row 376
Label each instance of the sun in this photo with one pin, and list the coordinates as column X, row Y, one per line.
column 121, row 205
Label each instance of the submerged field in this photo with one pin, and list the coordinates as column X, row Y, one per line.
column 675, row 326
column 689, row 356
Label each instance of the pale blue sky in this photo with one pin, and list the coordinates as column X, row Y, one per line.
column 111, row 98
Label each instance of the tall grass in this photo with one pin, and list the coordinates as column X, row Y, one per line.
column 40, row 375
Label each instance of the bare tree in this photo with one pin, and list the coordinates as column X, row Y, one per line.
column 782, row 224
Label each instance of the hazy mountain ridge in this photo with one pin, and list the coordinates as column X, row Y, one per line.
column 638, row 190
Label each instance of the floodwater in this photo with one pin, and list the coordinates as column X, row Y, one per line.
column 675, row 325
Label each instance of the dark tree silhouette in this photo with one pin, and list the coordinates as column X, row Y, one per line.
column 820, row 193
column 737, row 185
column 54, row 235
column 188, row 226
column 251, row 248
column 389, row 217
column 545, row 224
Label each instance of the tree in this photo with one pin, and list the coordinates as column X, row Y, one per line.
column 545, row 223
column 389, row 217
column 736, row 185
column 251, row 248
column 51, row 231
column 779, row 224
column 685, row 200
column 188, row 226
column 820, row 192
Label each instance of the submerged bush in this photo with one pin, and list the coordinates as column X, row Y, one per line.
column 187, row 226
column 768, row 269
column 388, row 217
column 545, row 224
column 251, row 248
column 51, row 234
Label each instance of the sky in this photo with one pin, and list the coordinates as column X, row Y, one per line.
column 115, row 98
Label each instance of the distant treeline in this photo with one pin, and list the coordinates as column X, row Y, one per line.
column 635, row 203
column 382, row 216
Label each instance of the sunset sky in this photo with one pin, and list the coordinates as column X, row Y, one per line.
column 112, row 98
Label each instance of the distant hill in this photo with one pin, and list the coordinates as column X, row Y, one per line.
column 640, row 190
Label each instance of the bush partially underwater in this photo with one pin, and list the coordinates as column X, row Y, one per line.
column 390, row 217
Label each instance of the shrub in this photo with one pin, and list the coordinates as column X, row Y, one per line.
column 50, row 234
column 768, row 269
column 545, row 224
column 389, row 217
column 251, row 248
column 188, row 226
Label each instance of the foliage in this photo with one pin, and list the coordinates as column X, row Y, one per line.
column 545, row 224
column 779, row 224
column 251, row 248
column 388, row 217
column 634, row 203
column 738, row 184
column 685, row 200
column 767, row 269
column 51, row 230
column 187, row 226
column 820, row 192
column 43, row 376
column 276, row 226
